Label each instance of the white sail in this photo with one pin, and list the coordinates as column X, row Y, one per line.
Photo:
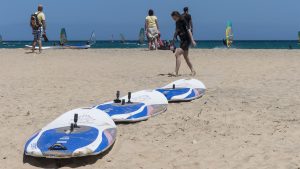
column 122, row 38
column 142, row 36
column 92, row 40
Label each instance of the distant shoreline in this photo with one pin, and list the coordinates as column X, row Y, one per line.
column 202, row 44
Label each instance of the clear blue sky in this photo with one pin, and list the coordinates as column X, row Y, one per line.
column 252, row 19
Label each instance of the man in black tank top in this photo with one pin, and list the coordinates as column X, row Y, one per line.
column 188, row 18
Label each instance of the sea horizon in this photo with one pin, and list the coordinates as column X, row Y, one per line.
column 201, row 44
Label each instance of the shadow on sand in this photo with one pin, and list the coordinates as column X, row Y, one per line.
column 167, row 74
column 58, row 163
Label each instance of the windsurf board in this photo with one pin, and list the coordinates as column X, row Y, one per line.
column 135, row 107
column 77, row 133
column 183, row 90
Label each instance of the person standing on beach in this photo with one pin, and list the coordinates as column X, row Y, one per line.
column 38, row 25
column 152, row 29
column 186, row 39
column 188, row 18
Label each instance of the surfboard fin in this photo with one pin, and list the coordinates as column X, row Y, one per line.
column 72, row 127
column 123, row 102
column 75, row 120
column 129, row 98
column 117, row 100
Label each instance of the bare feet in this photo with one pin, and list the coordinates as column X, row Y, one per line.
column 193, row 73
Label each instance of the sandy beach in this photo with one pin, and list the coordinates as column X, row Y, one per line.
column 249, row 117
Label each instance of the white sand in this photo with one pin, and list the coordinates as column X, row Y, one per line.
column 249, row 117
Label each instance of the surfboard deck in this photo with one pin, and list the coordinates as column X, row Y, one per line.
column 95, row 133
column 144, row 104
column 183, row 90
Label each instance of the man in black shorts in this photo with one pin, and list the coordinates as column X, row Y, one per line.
column 186, row 39
column 188, row 18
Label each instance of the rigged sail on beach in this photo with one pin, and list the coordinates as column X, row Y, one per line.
column 63, row 36
column 229, row 34
column 142, row 36
column 92, row 40
column 122, row 38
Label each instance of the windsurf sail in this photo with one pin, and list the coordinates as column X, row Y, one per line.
column 229, row 34
column 299, row 37
column 142, row 36
column 122, row 38
column 92, row 40
column 63, row 36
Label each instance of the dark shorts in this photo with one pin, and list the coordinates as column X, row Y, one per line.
column 185, row 45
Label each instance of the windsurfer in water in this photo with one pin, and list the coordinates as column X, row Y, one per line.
column 186, row 39
column 229, row 35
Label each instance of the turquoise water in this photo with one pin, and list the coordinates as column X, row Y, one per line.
column 200, row 44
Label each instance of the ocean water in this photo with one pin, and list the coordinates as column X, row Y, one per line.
column 200, row 44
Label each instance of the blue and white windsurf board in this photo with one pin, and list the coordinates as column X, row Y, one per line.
column 142, row 105
column 44, row 47
column 183, row 90
column 77, row 133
